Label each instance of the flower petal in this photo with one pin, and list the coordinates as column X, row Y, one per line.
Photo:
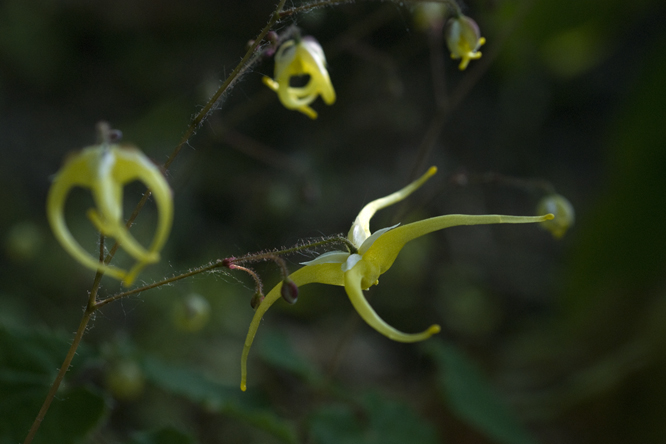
column 330, row 257
column 360, row 229
column 72, row 174
column 133, row 165
column 386, row 248
column 351, row 262
column 353, row 280
column 322, row 273
column 371, row 240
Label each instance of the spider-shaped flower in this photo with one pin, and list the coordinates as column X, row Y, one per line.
column 105, row 169
column 463, row 39
column 373, row 255
column 301, row 58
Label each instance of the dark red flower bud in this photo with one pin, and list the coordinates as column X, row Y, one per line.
column 257, row 298
column 289, row 291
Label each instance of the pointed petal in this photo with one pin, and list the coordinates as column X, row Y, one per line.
column 386, row 248
column 55, row 206
column 330, row 257
column 371, row 240
column 353, row 280
column 323, row 274
column 360, row 229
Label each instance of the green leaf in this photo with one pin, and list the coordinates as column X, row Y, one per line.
column 29, row 362
column 377, row 420
column 335, row 424
column 393, row 422
column 166, row 435
column 275, row 349
column 471, row 397
column 215, row 396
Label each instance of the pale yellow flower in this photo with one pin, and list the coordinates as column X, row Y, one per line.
column 105, row 169
column 463, row 39
column 564, row 212
column 301, row 58
column 375, row 253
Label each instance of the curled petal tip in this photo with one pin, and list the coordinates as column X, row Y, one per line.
column 434, row 329
column 431, row 171
column 549, row 216
column 243, row 386
column 104, row 169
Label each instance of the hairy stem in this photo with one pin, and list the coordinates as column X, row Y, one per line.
column 230, row 263
column 61, row 375
column 248, row 59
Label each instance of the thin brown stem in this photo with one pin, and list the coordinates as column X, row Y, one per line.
column 217, row 264
column 61, row 375
column 258, row 286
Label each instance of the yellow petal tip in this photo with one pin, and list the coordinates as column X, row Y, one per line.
column 243, row 386
column 434, row 329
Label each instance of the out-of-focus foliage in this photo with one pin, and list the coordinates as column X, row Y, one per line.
column 29, row 361
column 545, row 341
column 471, row 397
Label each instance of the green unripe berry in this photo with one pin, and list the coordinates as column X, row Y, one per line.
column 125, row 380
column 191, row 313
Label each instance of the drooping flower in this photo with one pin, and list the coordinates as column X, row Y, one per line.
column 373, row 255
column 563, row 211
column 105, row 169
column 301, row 58
column 463, row 39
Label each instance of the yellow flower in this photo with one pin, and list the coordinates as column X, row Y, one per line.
column 463, row 39
column 374, row 255
column 563, row 211
column 299, row 59
column 104, row 169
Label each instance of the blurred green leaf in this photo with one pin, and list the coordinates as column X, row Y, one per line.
column 29, row 362
column 378, row 420
column 215, row 396
column 471, row 397
column 275, row 349
column 335, row 424
column 393, row 422
column 167, row 435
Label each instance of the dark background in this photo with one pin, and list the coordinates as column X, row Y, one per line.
column 567, row 335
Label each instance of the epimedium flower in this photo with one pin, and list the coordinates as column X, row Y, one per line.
column 463, row 39
column 300, row 58
column 105, row 169
column 564, row 212
column 372, row 255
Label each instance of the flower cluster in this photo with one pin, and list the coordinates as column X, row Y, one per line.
column 105, row 169
column 301, row 58
column 373, row 256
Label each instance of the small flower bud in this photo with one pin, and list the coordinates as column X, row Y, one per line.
column 289, row 291
column 257, row 298
column 272, row 37
column 562, row 210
